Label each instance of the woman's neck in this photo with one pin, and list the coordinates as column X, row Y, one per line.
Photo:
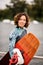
column 19, row 27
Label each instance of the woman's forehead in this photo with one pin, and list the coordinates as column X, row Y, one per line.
column 23, row 17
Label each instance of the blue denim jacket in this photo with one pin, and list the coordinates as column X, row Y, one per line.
column 12, row 38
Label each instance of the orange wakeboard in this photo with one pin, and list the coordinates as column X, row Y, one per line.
column 28, row 45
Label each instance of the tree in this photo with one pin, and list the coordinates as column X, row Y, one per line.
column 18, row 6
column 38, row 10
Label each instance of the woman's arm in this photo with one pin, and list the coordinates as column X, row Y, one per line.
column 12, row 40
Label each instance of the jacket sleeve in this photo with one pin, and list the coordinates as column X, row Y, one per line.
column 12, row 40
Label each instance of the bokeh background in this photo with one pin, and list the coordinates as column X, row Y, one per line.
column 8, row 9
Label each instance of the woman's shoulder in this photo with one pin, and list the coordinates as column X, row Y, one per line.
column 13, row 31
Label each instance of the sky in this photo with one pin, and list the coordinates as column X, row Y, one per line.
column 4, row 2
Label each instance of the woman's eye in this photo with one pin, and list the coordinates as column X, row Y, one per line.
column 23, row 19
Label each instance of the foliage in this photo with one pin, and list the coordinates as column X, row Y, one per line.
column 35, row 11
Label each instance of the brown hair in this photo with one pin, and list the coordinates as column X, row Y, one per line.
column 17, row 17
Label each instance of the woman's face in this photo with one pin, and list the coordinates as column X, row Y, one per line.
column 22, row 21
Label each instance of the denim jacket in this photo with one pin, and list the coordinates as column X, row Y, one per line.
column 16, row 33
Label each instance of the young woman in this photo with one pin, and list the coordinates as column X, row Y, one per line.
column 21, row 21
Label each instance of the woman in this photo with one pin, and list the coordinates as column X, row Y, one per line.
column 21, row 21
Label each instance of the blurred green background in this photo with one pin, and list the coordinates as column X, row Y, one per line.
column 35, row 11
